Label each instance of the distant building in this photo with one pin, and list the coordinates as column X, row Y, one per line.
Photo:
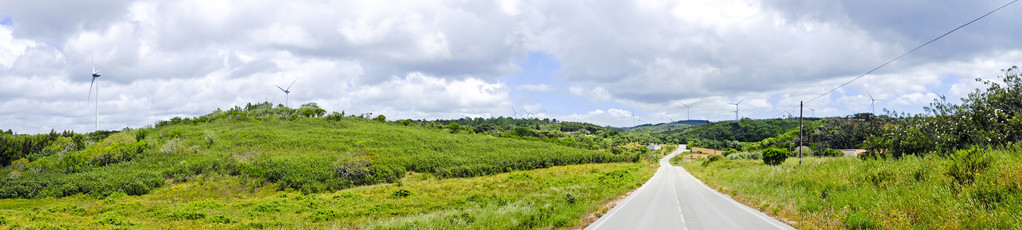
column 653, row 147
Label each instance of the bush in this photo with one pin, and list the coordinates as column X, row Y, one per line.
column 745, row 156
column 967, row 164
column 774, row 156
column 712, row 158
column 806, row 151
column 401, row 193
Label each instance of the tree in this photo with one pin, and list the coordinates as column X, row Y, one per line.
column 774, row 156
column 454, row 127
column 311, row 110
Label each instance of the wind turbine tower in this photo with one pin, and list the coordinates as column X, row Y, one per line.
column 872, row 102
column 688, row 111
column 736, row 108
column 287, row 93
column 95, row 77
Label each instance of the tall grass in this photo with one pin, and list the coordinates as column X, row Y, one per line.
column 542, row 198
column 977, row 189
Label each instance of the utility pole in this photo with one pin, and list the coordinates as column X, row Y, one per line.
column 800, row 132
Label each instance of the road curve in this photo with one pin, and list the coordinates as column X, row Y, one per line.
column 674, row 199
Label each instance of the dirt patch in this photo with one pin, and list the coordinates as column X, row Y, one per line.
column 708, row 151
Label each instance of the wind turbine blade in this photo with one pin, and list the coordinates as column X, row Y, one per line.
column 292, row 83
column 281, row 89
column 93, row 60
column 90, row 89
column 740, row 101
column 870, row 95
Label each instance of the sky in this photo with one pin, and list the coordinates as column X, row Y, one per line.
column 616, row 63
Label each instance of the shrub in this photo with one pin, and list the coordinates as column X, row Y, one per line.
column 774, row 156
column 967, row 164
column 570, row 199
column 401, row 193
column 745, row 156
column 712, row 158
column 858, row 220
column 806, row 151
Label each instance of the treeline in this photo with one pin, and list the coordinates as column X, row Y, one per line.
column 18, row 146
column 571, row 134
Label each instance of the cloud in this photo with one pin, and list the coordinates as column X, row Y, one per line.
column 423, row 93
column 448, row 59
column 536, row 88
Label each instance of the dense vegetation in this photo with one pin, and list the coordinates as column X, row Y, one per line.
column 986, row 118
column 545, row 198
column 290, row 148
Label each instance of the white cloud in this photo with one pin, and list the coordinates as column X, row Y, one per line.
column 420, row 92
column 425, row 59
column 536, row 88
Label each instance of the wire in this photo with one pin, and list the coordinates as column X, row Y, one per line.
column 910, row 51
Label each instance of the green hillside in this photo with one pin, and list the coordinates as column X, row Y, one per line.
column 310, row 154
column 244, row 166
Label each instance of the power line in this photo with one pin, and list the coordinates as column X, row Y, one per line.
column 910, row 51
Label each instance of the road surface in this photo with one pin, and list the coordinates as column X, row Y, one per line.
column 674, row 199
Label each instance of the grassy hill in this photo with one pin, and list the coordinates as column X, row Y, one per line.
column 246, row 165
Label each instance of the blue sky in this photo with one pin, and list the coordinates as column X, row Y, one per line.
column 615, row 63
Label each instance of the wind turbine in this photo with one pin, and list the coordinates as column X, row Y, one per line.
column 515, row 112
column 95, row 76
column 872, row 102
column 270, row 101
column 736, row 108
column 688, row 111
column 287, row 93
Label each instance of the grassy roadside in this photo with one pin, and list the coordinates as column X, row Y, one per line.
column 976, row 189
column 552, row 197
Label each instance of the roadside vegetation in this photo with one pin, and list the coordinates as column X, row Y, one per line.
column 955, row 168
column 543, row 198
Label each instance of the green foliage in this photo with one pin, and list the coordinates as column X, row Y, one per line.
column 486, row 202
column 804, row 150
column 401, row 193
column 857, row 221
column 745, row 156
column 380, row 118
column 987, row 118
column 712, row 158
column 774, row 156
column 967, row 164
column 311, row 109
column 454, row 127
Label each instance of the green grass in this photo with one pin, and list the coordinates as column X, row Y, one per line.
column 960, row 192
column 542, row 198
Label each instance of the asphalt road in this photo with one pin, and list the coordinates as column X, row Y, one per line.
column 674, row 199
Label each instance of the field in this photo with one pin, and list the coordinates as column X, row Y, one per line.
column 974, row 189
column 552, row 197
